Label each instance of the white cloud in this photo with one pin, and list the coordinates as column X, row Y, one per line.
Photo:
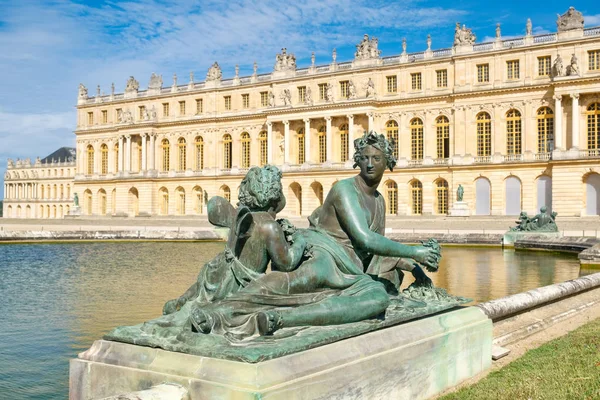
column 592, row 20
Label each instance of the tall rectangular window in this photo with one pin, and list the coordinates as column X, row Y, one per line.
column 322, row 91
column 182, row 107
column 165, row 109
column 441, row 78
column 227, row 102
column 415, row 80
column 302, row 94
column 199, row 106
column 118, row 111
column 392, row 83
column 141, row 112
column 246, row 100
column 91, row 118
column 594, row 60
column 344, row 89
column 264, row 99
column 483, row 73
column 544, row 66
column 512, row 69
column 104, row 116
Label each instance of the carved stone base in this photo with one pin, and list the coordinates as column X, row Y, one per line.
column 415, row 360
column 460, row 209
column 511, row 237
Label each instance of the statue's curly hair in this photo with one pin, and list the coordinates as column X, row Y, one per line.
column 261, row 188
column 380, row 142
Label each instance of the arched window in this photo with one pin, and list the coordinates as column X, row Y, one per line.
column 226, row 193
column 513, row 132
column 198, row 197
column 245, row 138
column 264, row 148
column 442, row 129
column 133, row 200
column 392, row 197
column 391, row 130
column 101, row 202
column 166, row 155
column 42, row 192
column 301, row 156
column 593, row 127
column 62, row 191
column 343, row 142
column 416, row 195
column 180, row 200
column 484, row 134
column 90, row 160
column 322, row 145
column 441, row 192
column 416, row 138
column 318, row 191
column 87, row 200
column 164, row 201
column 181, row 145
column 227, row 151
column 104, row 159
column 113, row 201
column 199, row 153
column 545, row 123
column 68, row 192
column 116, row 150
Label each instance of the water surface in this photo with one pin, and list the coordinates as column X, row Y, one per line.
column 56, row 299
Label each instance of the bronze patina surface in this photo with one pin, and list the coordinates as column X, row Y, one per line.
column 338, row 278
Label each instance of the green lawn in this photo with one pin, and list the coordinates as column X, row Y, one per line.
column 565, row 368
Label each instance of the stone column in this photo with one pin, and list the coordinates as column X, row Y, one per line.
column 329, row 139
column 111, row 157
column 575, row 120
column 558, row 132
column 152, row 151
column 350, row 136
column 144, row 167
column 128, row 154
column 121, row 151
column 286, row 142
column 307, row 140
column 269, row 142
column 371, row 122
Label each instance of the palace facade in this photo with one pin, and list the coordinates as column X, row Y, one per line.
column 516, row 122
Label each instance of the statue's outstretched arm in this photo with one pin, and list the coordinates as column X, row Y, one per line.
column 284, row 257
column 353, row 221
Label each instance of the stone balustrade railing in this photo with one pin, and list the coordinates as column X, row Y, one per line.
column 390, row 60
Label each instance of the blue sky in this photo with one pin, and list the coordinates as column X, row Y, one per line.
column 47, row 47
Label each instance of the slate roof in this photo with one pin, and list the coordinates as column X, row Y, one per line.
column 62, row 154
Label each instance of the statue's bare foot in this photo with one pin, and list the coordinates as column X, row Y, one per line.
column 269, row 322
column 201, row 321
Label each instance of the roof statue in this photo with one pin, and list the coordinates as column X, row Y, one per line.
column 570, row 20
column 285, row 61
column 463, row 36
column 573, row 69
column 156, row 81
column 528, row 27
column 214, row 73
column 367, row 49
column 559, row 68
column 83, row 92
column 132, row 86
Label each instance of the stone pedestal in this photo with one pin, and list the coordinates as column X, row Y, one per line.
column 74, row 212
column 511, row 237
column 460, row 209
column 415, row 360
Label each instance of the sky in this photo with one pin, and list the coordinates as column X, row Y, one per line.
column 48, row 47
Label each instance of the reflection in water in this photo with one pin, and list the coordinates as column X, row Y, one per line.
column 58, row 299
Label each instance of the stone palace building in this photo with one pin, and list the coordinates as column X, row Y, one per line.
column 516, row 122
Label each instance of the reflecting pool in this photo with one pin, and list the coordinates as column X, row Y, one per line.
column 56, row 299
